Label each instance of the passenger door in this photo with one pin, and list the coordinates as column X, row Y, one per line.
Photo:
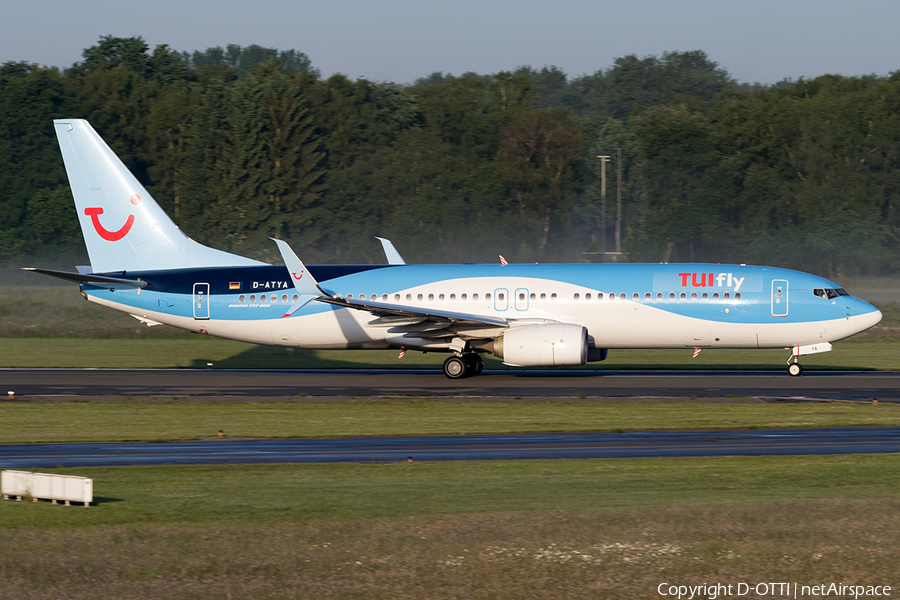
column 201, row 301
column 779, row 298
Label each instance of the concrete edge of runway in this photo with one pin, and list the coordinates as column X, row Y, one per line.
column 548, row 372
column 63, row 398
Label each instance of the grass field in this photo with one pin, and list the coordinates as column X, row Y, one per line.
column 530, row 529
column 25, row 422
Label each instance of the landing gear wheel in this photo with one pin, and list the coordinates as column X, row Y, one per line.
column 455, row 367
column 795, row 369
column 474, row 363
column 479, row 365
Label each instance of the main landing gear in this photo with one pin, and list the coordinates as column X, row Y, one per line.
column 462, row 366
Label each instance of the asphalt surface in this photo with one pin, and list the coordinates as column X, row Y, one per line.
column 641, row 444
column 373, row 383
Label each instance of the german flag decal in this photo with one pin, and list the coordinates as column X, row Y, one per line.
column 234, row 285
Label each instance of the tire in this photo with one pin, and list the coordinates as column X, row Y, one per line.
column 477, row 365
column 794, row 369
column 456, row 368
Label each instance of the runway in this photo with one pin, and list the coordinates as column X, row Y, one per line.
column 318, row 385
column 641, row 444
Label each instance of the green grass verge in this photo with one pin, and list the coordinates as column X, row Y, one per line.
column 25, row 422
column 188, row 351
column 478, row 530
column 245, row 494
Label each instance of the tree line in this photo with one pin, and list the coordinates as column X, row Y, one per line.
column 239, row 144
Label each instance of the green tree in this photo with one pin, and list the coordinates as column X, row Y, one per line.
column 535, row 157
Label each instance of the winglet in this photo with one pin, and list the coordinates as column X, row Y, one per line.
column 303, row 281
column 393, row 257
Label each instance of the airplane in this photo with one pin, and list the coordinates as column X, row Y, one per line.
column 527, row 315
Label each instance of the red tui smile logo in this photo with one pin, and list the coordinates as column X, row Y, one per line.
column 113, row 236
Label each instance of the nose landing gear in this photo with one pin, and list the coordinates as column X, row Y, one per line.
column 466, row 365
column 794, row 369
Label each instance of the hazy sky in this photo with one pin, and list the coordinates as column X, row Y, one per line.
column 401, row 40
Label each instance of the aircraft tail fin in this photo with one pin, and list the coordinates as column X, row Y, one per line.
column 124, row 228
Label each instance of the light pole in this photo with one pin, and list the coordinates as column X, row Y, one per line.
column 618, row 200
column 604, row 158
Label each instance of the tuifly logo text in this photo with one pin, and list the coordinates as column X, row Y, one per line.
column 701, row 280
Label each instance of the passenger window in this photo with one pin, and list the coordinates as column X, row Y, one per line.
column 241, row 298
column 532, row 297
column 543, row 296
column 726, row 296
column 284, row 297
column 683, row 296
column 408, row 297
column 635, row 296
column 295, row 297
column 384, row 297
column 577, row 296
column 452, row 297
column 487, row 296
column 715, row 295
column 349, row 296
column 693, row 295
column 252, row 297
column 622, row 296
column 612, row 297
column 553, row 296
column 500, row 297
column 274, row 297
column 430, row 297
column 587, row 296
column 600, row 296
column 737, row 296
column 705, row 296
column 671, row 295
column 475, row 298
column 420, row 297
column 373, row 297
column 648, row 296
column 462, row 297
column 396, row 297
column 659, row 296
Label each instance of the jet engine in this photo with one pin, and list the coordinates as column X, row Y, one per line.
column 542, row 345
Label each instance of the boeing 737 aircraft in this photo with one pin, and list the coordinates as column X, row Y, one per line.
column 528, row 315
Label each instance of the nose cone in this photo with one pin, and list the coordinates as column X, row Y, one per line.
column 866, row 315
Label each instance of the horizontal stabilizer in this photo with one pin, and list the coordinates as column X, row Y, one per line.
column 89, row 278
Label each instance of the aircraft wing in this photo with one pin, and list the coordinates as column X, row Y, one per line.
column 409, row 321
column 400, row 314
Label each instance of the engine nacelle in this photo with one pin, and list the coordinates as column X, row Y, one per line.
column 543, row 345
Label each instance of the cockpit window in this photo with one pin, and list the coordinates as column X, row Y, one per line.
column 829, row 294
